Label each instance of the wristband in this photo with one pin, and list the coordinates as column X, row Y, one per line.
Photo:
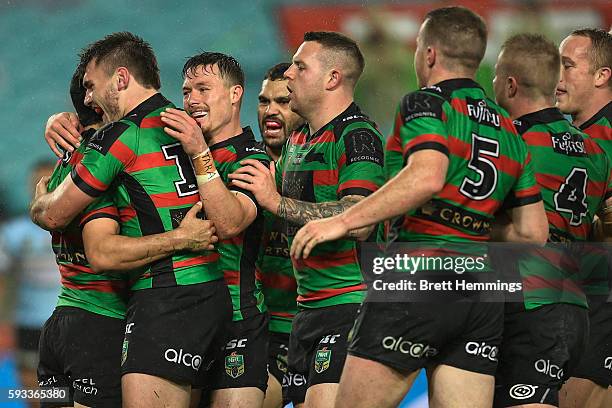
column 205, row 178
column 204, row 167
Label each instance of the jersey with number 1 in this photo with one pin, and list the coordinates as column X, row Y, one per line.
column 489, row 165
column 153, row 184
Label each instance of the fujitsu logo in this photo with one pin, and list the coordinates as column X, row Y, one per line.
column 478, row 110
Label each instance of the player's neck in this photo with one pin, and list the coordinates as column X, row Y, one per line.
column 135, row 98
column 327, row 110
column 524, row 106
column 440, row 75
column 274, row 153
column 596, row 102
column 233, row 128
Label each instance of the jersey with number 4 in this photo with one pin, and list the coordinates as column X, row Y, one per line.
column 153, row 184
column 489, row 165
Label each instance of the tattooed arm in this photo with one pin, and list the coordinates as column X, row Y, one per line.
column 301, row 212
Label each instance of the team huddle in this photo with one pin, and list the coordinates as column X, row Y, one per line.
column 203, row 268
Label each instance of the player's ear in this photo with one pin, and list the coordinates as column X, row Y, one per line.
column 511, row 87
column 236, row 92
column 430, row 56
column 122, row 78
column 603, row 77
column 334, row 79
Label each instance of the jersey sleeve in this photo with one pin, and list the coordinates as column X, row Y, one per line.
column 361, row 160
column 102, row 207
column 394, row 154
column 109, row 151
column 253, row 153
column 526, row 190
column 422, row 123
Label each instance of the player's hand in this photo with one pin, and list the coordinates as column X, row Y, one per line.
column 63, row 129
column 41, row 187
column 199, row 234
column 185, row 129
column 255, row 177
column 317, row 232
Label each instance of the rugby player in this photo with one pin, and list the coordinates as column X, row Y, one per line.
column 461, row 155
column 154, row 187
column 327, row 165
column 585, row 93
column 545, row 336
column 212, row 95
column 276, row 122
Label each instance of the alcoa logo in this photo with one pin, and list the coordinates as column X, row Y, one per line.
column 608, row 363
column 482, row 349
column 549, row 369
column 416, row 350
column 523, row 391
column 190, row 360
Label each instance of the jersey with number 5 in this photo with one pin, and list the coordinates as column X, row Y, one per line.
column 489, row 165
column 153, row 185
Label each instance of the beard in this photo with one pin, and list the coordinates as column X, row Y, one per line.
column 111, row 104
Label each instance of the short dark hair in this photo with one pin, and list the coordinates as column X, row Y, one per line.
column 124, row 49
column 277, row 72
column 534, row 61
column 460, row 34
column 87, row 116
column 600, row 53
column 340, row 43
column 229, row 68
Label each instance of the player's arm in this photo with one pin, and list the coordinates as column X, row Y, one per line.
column 106, row 250
column 54, row 210
column 63, row 130
column 232, row 212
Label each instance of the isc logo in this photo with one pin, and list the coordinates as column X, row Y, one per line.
column 329, row 339
column 235, row 343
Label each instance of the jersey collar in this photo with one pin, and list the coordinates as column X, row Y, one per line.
column 247, row 134
column 606, row 111
column 151, row 104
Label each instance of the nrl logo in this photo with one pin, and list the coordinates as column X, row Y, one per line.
column 234, row 365
column 124, row 351
column 322, row 360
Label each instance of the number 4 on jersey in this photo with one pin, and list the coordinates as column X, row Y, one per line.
column 572, row 194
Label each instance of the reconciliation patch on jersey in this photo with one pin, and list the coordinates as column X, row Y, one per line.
column 103, row 139
column 421, row 104
column 363, row 145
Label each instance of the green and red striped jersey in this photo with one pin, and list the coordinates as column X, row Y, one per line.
column 100, row 293
column 572, row 172
column 345, row 157
column 596, row 270
column 152, row 181
column 239, row 254
column 489, row 165
column 276, row 270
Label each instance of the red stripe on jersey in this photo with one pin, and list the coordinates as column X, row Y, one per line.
column 149, row 161
column 198, row 260
column 123, row 153
column 173, row 200
column 325, row 177
column 110, row 210
column 153, row 122
column 70, row 270
column 600, row 132
column 537, row 139
column 342, row 160
column 98, row 286
column 558, row 221
column 393, row 144
column 325, row 137
column 231, row 277
column 278, row 281
column 75, row 158
column 459, row 148
column 539, row 282
column 223, row 155
column 281, row 314
column 528, row 192
column 327, row 260
column 89, row 178
column 424, row 138
column 237, row 240
column 426, row 227
column 368, row 185
column 451, row 193
column 327, row 293
column 126, row 214
column 549, row 181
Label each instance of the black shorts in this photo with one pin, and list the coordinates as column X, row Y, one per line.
column 242, row 362
column 82, row 351
column 174, row 332
column 317, row 347
column 410, row 336
column 596, row 362
column 540, row 349
column 278, row 349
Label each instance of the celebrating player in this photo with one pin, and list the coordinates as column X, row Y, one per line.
column 276, row 122
column 585, row 92
column 550, row 327
column 462, row 156
column 328, row 165
column 212, row 95
column 155, row 190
